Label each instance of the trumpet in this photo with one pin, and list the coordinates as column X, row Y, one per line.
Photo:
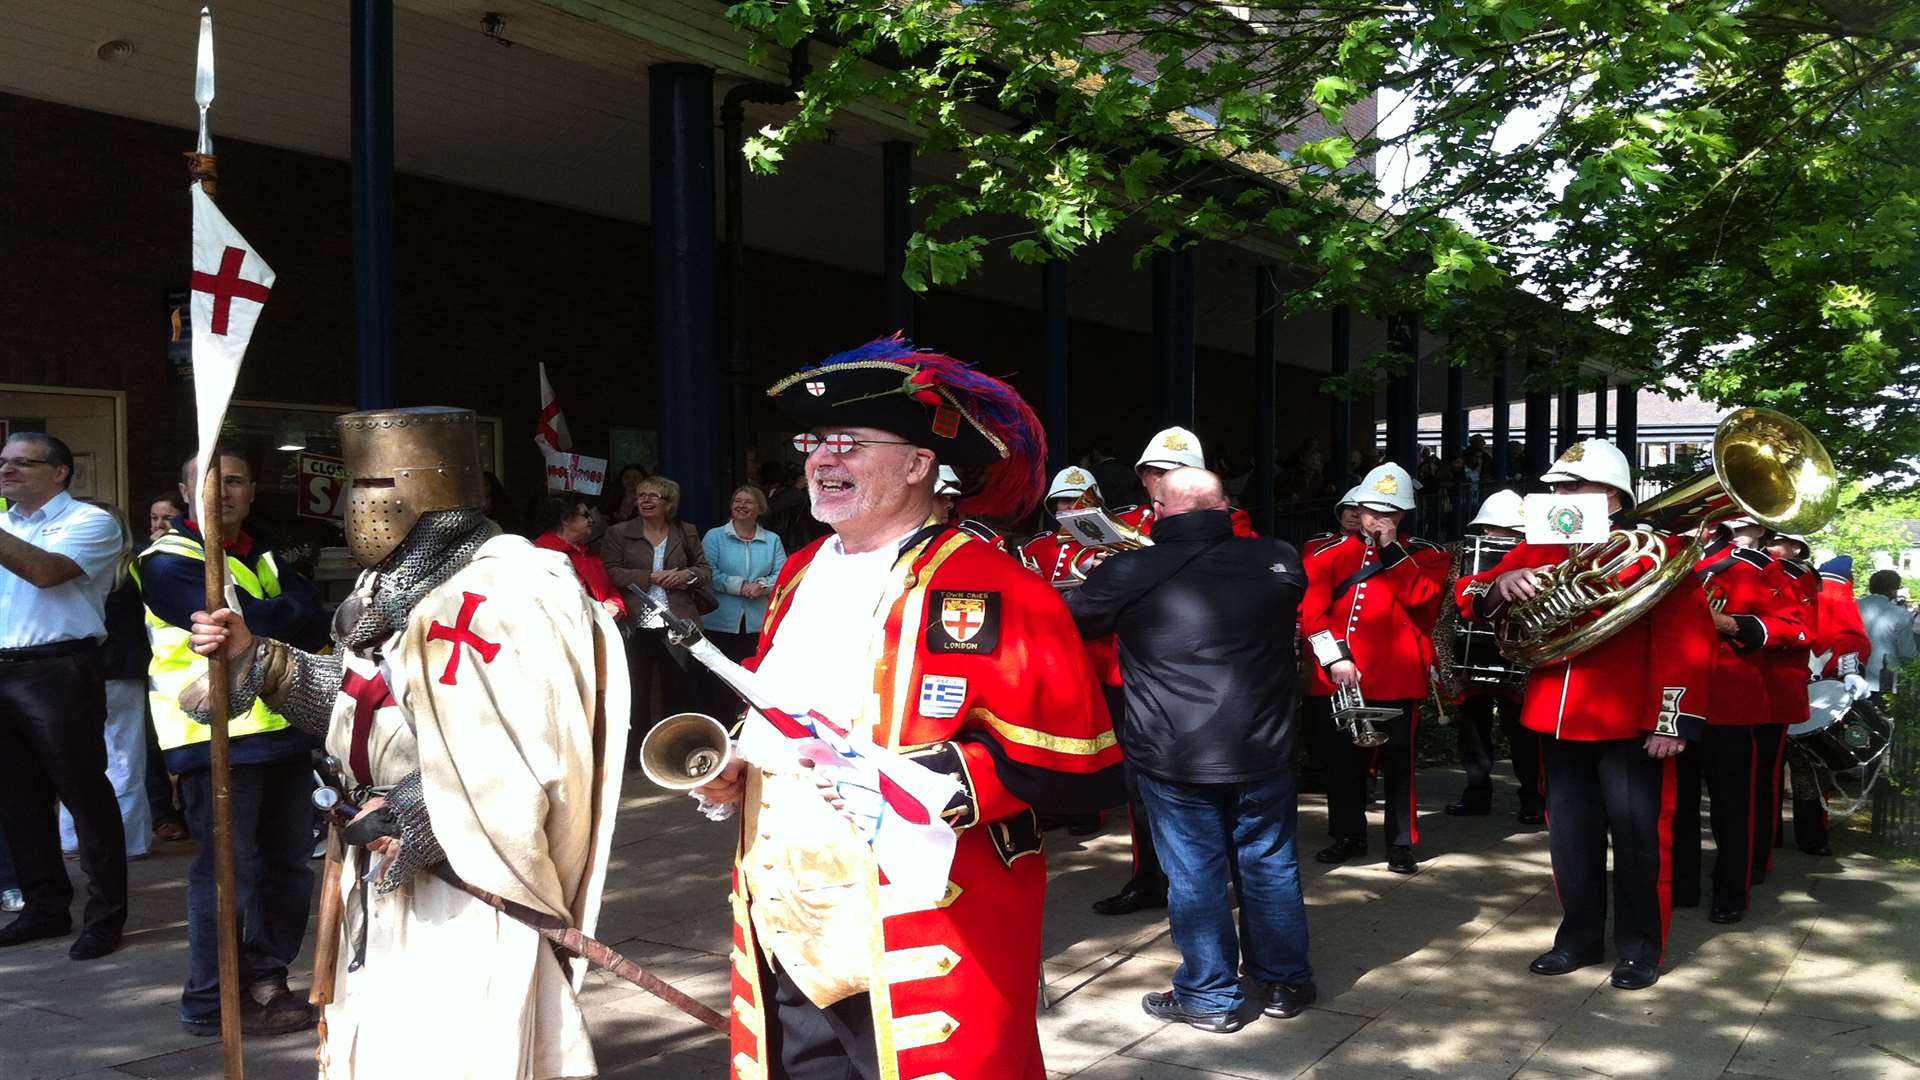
column 1353, row 715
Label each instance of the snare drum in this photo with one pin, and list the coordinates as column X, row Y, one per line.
column 1840, row 733
column 1477, row 657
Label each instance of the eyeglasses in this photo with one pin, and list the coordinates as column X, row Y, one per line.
column 21, row 462
column 839, row 442
column 647, row 496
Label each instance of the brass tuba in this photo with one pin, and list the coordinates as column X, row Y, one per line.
column 1766, row 465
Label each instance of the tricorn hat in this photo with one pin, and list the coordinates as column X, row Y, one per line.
column 969, row 420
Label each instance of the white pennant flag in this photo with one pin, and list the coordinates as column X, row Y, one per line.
column 230, row 286
column 550, row 432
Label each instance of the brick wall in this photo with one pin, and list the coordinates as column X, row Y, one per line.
column 97, row 231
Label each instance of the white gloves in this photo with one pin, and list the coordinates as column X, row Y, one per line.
column 1856, row 686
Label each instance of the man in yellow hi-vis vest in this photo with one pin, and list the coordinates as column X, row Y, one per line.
column 272, row 778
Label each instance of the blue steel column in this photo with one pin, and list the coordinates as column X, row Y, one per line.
column 371, row 75
column 1539, row 427
column 1567, row 431
column 1403, row 391
column 1626, row 429
column 1339, row 409
column 1053, row 317
column 1173, row 338
column 1453, row 442
column 691, row 406
column 1502, row 422
column 896, row 228
column 1266, row 318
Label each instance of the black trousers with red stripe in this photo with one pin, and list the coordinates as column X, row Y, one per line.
column 1611, row 789
column 1346, row 767
column 1727, row 764
column 1769, row 742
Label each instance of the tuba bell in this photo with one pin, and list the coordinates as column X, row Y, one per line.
column 685, row 751
column 1766, row 466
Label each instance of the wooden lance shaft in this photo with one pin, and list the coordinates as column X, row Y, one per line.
column 212, row 537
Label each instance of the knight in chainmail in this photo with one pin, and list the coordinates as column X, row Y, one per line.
column 469, row 703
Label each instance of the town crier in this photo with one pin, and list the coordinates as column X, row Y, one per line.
column 937, row 645
column 472, row 703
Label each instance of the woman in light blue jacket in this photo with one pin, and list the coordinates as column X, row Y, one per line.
column 746, row 558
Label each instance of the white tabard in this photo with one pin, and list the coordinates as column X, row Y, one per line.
column 494, row 691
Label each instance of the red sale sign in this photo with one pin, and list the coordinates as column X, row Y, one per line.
column 323, row 486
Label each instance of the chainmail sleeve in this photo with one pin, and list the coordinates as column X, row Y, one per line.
column 419, row 849
column 307, row 695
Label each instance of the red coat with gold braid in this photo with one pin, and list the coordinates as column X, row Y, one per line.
column 1770, row 619
column 1385, row 622
column 1653, row 677
column 952, row 987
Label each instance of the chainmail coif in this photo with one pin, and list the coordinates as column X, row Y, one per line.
column 440, row 543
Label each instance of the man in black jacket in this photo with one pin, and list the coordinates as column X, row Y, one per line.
column 1205, row 621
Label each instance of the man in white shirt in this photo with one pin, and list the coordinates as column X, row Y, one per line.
column 1889, row 626
column 57, row 559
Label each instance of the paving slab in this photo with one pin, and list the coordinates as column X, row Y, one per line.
column 1420, row 976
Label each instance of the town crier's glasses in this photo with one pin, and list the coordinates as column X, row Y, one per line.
column 839, row 442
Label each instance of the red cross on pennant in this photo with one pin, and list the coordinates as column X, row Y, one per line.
column 543, row 426
column 369, row 696
column 461, row 633
column 226, row 285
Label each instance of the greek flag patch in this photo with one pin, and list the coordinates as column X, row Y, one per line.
column 941, row 696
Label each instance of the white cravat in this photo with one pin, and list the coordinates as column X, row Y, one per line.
column 822, row 655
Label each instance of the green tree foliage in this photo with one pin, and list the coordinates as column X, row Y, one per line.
column 1863, row 529
column 1730, row 189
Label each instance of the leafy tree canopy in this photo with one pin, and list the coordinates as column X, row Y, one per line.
column 1726, row 188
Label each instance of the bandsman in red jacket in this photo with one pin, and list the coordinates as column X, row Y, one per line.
column 1368, row 619
column 1174, row 448
column 1788, row 672
column 1612, row 718
column 1753, row 616
column 1837, row 653
column 1063, row 561
column 1346, row 515
column 1503, row 514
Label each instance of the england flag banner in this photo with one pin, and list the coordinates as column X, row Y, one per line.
column 550, row 432
column 230, row 284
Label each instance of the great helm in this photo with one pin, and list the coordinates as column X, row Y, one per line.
column 405, row 463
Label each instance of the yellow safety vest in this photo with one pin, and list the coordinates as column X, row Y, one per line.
column 175, row 664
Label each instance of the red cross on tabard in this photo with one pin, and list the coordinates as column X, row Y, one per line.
column 369, row 696
column 226, row 285
column 461, row 633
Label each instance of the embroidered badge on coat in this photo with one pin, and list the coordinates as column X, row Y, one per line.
column 966, row 622
column 816, row 387
column 941, row 696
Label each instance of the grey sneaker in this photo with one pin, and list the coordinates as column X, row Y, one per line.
column 12, row 900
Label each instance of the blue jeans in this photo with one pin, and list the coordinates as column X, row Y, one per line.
column 272, row 853
column 1208, row 835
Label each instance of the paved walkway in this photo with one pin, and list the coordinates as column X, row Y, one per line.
column 1421, row 976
